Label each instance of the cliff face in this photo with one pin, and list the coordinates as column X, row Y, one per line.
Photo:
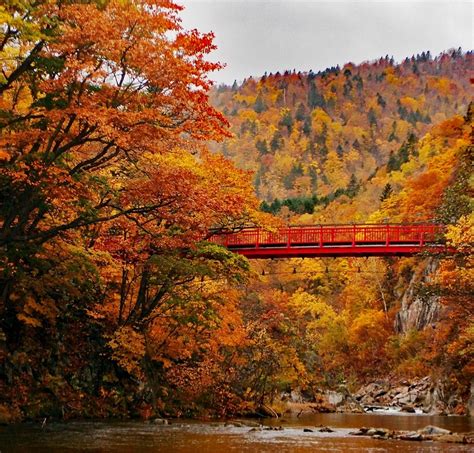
column 418, row 312
column 470, row 404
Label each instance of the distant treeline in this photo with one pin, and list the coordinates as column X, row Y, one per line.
column 306, row 205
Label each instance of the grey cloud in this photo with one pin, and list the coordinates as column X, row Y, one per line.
column 258, row 36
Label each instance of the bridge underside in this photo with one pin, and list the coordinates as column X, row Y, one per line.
column 340, row 250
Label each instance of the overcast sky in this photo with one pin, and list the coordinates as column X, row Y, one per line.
column 254, row 36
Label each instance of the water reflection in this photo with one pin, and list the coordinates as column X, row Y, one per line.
column 197, row 437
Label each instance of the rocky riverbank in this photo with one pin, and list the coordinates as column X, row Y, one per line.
column 430, row 433
column 415, row 396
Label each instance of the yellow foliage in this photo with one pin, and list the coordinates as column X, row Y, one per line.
column 410, row 103
column 249, row 100
column 248, row 114
column 393, row 80
column 307, row 304
column 320, row 117
column 128, row 349
column 334, row 170
column 461, row 235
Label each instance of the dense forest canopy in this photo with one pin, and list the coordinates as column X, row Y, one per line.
column 115, row 164
column 325, row 134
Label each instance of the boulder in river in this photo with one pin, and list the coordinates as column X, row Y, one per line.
column 325, row 429
column 430, row 429
column 430, row 433
column 361, row 432
column 160, row 421
column 273, row 428
column 383, row 432
column 411, row 435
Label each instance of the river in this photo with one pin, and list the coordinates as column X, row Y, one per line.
column 185, row 436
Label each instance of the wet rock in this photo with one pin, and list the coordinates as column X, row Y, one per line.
column 409, row 409
column 160, row 421
column 273, row 428
column 307, row 430
column 351, row 405
column 326, row 429
column 433, row 401
column 429, row 433
column 378, row 432
column 373, row 407
column 410, row 436
column 254, row 430
column 361, row 432
column 433, row 430
column 378, row 436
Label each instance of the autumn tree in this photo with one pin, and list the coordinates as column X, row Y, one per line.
column 106, row 186
column 98, row 94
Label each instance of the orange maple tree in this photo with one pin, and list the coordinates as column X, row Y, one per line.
column 106, row 186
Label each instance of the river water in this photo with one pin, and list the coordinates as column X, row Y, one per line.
column 186, row 436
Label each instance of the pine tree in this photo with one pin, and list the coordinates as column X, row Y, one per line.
column 393, row 135
column 381, row 101
column 315, row 99
column 386, row 192
column 259, row 105
column 261, row 146
column 277, row 141
column 301, row 112
column 287, row 120
column 307, row 126
column 372, row 117
column 353, row 187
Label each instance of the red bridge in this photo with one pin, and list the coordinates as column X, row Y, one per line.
column 334, row 240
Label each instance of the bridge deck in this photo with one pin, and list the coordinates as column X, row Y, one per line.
column 334, row 240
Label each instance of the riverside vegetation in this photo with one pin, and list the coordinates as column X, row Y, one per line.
column 117, row 156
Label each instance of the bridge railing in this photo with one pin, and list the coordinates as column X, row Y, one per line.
column 332, row 235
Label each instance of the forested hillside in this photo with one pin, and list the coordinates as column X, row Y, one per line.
column 311, row 138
